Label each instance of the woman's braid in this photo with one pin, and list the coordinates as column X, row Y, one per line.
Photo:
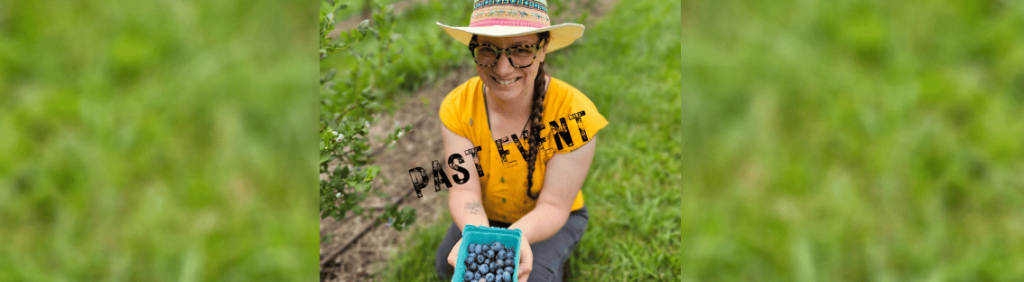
column 536, row 110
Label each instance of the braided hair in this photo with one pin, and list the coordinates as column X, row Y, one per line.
column 534, row 121
column 536, row 109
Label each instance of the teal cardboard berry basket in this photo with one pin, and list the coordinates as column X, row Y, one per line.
column 473, row 234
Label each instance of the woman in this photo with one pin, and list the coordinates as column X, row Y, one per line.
column 520, row 180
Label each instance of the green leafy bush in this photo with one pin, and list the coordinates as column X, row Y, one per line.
column 348, row 104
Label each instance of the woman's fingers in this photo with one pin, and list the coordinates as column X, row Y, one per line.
column 525, row 260
column 453, row 256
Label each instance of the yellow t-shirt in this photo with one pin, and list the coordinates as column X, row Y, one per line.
column 503, row 184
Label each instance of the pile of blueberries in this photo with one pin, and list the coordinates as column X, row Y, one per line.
column 493, row 263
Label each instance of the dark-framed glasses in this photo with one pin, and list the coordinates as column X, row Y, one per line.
column 520, row 56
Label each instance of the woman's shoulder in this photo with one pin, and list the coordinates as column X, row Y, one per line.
column 461, row 96
column 459, row 107
column 560, row 86
column 570, row 108
column 562, row 95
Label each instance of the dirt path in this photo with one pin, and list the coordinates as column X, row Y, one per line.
column 418, row 148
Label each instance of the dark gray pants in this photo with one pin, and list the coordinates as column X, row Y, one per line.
column 548, row 255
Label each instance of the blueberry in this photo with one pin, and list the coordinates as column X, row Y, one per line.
column 490, row 254
column 483, row 268
column 507, row 276
column 496, row 246
column 479, row 259
column 472, row 266
column 501, row 254
column 489, row 277
column 508, row 269
column 501, row 263
column 470, row 258
column 476, row 275
column 509, row 262
column 476, row 248
column 485, row 248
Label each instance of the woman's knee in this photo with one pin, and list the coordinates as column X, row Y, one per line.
column 445, row 270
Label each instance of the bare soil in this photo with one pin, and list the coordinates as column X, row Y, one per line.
column 418, row 148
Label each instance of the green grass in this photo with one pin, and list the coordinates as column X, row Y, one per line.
column 415, row 261
column 853, row 141
column 629, row 66
column 157, row 141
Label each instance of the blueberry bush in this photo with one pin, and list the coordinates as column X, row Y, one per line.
column 350, row 100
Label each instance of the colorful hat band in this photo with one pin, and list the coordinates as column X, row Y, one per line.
column 525, row 13
column 536, row 4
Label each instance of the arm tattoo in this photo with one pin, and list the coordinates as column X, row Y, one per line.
column 473, row 207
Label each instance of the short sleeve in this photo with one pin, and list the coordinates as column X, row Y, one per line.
column 453, row 108
column 577, row 122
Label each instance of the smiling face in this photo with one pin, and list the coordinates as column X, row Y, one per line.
column 504, row 81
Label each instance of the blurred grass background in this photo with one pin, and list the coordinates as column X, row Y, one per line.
column 629, row 67
column 853, row 140
column 158, row 141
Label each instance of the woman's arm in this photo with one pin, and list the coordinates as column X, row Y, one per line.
column 563, row 178
column 464, row 199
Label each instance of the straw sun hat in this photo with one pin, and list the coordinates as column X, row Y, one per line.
column 509, row 18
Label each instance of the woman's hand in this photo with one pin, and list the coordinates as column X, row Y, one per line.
column 453, row 256
column 525, row 260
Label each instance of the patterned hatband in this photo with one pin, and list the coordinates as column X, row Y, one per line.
column 526, row 13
